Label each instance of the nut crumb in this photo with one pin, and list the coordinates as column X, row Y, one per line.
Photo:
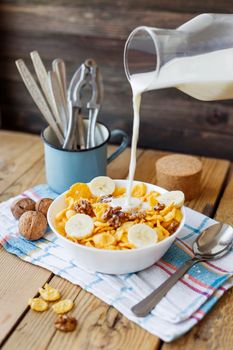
column 173, row 226
column 136, row 214
column 159, row 207
column 105, row 199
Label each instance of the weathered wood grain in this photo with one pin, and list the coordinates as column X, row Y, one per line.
column 197, row 6
column 195, row 115
column 76, row 30
column 214, row 171
column 13, row 301
column 35, row 175
column 13, row 270
column 43, row 322
column 196, row 130
column 118, row 169
column 85, row 21
column 18, row 153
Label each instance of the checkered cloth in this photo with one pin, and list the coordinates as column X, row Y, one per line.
column 184, row 305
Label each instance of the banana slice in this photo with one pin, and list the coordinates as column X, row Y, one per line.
column 102, row 186
column 79, row 226
column 142, row 235
column 175, row 197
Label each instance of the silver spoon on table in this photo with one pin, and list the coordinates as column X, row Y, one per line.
column 211, row 244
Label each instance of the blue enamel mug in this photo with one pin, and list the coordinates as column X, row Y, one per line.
column 66, row 167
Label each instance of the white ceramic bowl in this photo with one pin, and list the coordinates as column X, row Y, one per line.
column 112, row 261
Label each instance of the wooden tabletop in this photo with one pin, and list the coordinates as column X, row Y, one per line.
column 100, row 326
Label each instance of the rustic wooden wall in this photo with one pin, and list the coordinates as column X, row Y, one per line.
column 77, row 29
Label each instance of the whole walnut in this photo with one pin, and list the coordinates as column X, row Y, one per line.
column 43, row 205
column 20, row 206
column 32, row 225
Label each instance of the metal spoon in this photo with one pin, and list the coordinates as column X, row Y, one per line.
column 211, row 244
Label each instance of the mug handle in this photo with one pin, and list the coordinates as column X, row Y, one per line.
column 123, row 145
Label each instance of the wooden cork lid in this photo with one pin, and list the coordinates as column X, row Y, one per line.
column 179, row 172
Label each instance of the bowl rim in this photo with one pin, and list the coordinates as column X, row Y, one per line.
column 109, row 251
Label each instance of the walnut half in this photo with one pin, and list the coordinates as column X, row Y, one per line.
column 115, row 217
column 65, row 323
column 84, row 207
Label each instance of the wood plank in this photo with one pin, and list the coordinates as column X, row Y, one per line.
column 212, row 183
column 192, row 114
column 179, row 5
column 33, row 176
column 85, row 21
column 25, row 277
column 118, row 169
column 18, row 153
column 13, row 300
column 101, row 326
column 212, row 144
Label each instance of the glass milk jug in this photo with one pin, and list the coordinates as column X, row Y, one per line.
column 196, row 58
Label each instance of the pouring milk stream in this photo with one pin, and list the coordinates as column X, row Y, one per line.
column 207, row 76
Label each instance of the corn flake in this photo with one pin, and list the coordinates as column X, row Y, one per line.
column 79, row 190
column 61, row 214
column 119, row 191
column 89, row 244
column 63, row 306
column 139, row 190
column 49, row 293
column 165, row 232
column 100, row 209
column 151, row 198
column 38, row 304
column 70, row 202
column 178, row 215
column 170, row 215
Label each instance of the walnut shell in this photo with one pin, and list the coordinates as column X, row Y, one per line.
column 32, row 225
column 43, row 205
column 20, row 206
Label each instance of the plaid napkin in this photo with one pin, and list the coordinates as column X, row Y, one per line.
column 184, row 305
